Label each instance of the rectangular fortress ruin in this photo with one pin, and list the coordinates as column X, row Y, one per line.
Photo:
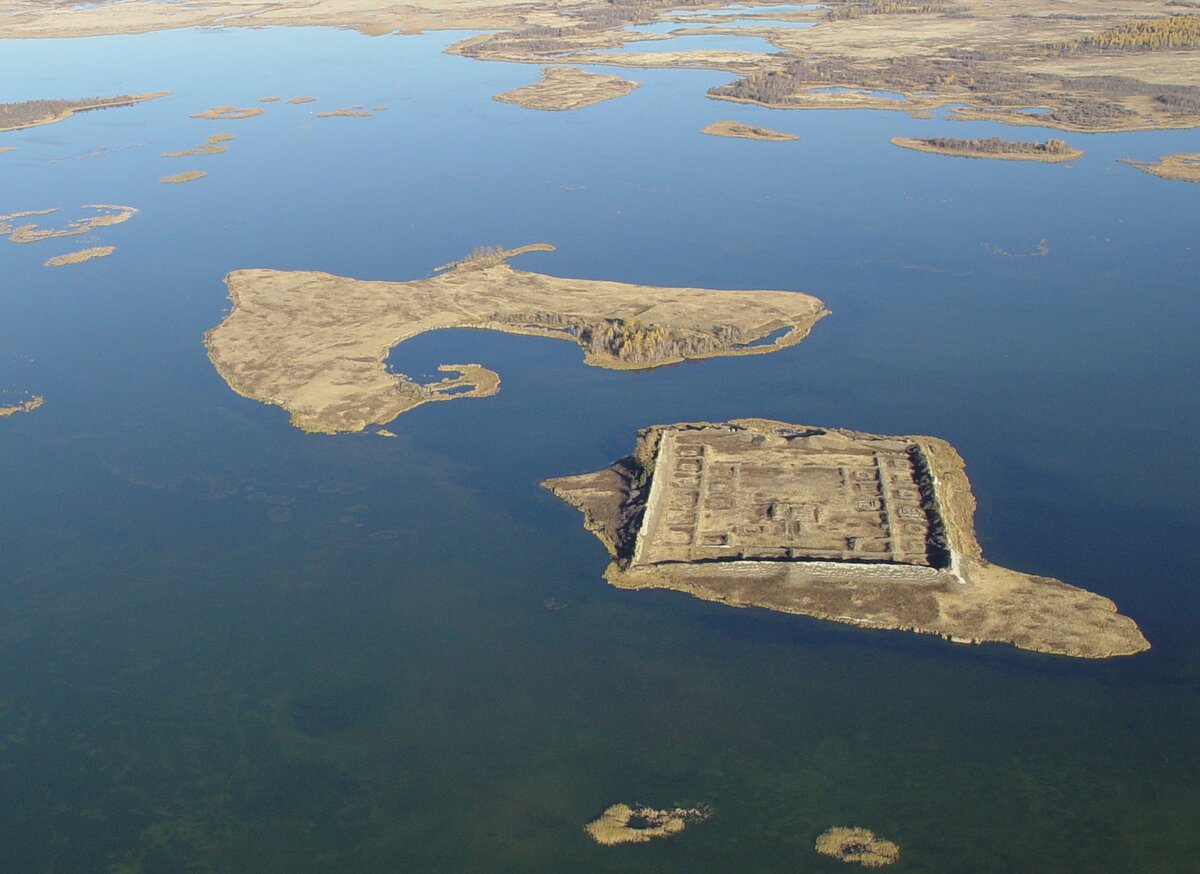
column 729, row 495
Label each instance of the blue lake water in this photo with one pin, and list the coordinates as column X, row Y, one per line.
column 230, row 646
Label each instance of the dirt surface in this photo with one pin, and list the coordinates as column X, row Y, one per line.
column 562, row 88
column 314, row 344
column 857, row 528
column 745, row 131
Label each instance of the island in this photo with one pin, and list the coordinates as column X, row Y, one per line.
column 80, row 256
column 345, row 112
column 1184, row 167
column 109, row 214
column 745, row 131
column 186, row 176
column 857, row 845
column 315, row 344
column 228, row 113
column 562, row 88
column 296, row 101
column 625, row 824
column 864, row 529
column 31, row 113
column 213, row 145
column 1051, row 151
column 24, row 407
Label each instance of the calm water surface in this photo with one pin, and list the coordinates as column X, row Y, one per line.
column 231, row 646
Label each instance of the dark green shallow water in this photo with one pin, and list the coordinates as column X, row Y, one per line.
column 230, row 646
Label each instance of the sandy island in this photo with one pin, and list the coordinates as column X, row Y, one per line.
column 110, row 214
column 994, row 148
column 187, row 176
column 26, row 407
column 857, row 528
column 31, row 113
column 745, row 131
column 315, row 344
column 857, row 845
column 80, row 256
column 228, row 113
column 295, row 101
column 1181, row 167
column 562, row 88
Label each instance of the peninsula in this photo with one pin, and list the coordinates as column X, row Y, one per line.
column 1181, row 167
column 1051, row 151
column 31, row 113
column 562, row 88
column 315, row 344
column 745, row 131
column 858, row 528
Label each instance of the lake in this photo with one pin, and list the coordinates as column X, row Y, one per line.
column 229, row 645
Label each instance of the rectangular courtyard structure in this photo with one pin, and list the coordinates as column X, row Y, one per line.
column 720, row 494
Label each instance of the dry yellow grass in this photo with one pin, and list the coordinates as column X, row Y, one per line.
column 188, row 176
column 80, row 256
column 857, row 845
column 623, row 824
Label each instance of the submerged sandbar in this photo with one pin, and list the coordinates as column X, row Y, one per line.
column 315, row 344
column 859, row 528
column 562, row 88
